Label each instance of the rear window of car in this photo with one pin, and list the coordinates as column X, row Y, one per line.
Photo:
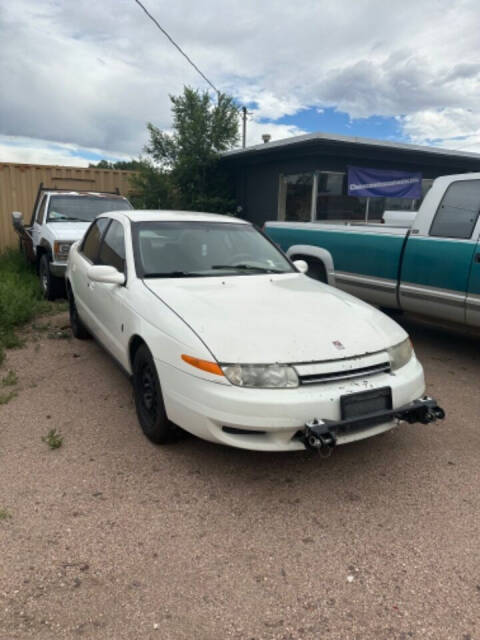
column 83, row 208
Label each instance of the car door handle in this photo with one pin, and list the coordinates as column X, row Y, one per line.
column 477, row 257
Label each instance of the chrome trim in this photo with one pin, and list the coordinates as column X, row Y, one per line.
column 433, row 294
column 473, row 300
column 368, row 282
column 345, row 375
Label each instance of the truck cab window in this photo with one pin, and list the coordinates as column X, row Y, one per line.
column 91, row 242
column 457, row 214
column 112, row 251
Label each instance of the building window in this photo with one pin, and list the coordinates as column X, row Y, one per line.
column 296, row 193
column 328, row 191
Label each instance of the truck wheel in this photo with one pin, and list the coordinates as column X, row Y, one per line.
column 149, row 400
column 51, row 286
column 78, row 328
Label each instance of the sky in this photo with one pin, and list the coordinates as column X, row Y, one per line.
column 81, row 79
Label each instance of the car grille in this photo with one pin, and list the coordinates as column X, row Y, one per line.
column 333, row 376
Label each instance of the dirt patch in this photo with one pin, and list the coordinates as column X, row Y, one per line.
column 109, row 536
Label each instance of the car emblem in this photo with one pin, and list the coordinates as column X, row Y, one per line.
column 338, row 344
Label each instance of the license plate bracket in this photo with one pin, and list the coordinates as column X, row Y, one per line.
column 355, row 405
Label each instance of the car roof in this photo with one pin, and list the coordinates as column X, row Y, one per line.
column 163, row 215
column 69, row 192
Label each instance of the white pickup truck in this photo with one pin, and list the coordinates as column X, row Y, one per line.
column 431, row 268
column 60, row 217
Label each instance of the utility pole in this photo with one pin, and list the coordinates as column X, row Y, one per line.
column 244, row 127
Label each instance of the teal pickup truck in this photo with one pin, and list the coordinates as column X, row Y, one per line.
column 431, row 267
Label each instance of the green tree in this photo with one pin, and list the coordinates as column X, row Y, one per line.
column 123, row 165
column 189, row 155
column 152, row 188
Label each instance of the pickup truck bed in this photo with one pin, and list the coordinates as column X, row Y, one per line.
column 432, row 268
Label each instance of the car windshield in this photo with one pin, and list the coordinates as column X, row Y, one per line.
column 83, row 208
column 196, row 249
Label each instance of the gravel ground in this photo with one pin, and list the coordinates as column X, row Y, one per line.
column 112, row 537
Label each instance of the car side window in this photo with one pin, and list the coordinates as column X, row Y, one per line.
column 41, row 211
column 112, row 251
column 91, row 242
column 457, row 214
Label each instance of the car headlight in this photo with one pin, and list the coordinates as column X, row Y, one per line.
column 61, row 249
column 400, row 354
column 270, row 376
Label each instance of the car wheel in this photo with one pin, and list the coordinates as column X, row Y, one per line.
column 149, row 400
column 78, row 328
column 50, row 285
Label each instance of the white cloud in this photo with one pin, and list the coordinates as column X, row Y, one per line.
column 94, row 74
column 33, row 151
column 453, row 128
column 256, row 129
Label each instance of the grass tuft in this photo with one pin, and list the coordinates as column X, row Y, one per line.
column 6, row 397
column 53, row 439
column 20, row 298
column 10, row 379
column 4, row 514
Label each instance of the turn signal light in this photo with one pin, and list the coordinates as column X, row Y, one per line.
column 204, row 365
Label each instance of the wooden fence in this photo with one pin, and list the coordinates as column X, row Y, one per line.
column 19, row 185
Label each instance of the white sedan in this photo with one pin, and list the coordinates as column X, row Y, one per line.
column 226, row 338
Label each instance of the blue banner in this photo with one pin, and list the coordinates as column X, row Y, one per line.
column 378, row 183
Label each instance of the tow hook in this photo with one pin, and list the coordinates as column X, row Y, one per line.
column 318, row 437
column 321, row 435
column 425, row 410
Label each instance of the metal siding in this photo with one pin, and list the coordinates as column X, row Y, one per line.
column 19, row 185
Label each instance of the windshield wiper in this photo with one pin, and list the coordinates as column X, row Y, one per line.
column 247, row 267
column 173, row 274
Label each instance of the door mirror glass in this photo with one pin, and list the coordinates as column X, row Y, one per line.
column 105, row 274
column 17, row 220
column 301, row 265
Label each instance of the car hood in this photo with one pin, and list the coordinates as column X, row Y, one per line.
column 72, row 231
column 281, row 318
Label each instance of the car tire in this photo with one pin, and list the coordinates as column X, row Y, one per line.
column 149, row 400
column 51, row 286
column 78, row 328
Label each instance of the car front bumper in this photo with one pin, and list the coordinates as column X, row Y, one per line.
column 274, row 419
column 58, row 269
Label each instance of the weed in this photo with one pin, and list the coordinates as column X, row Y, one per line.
column 53, row 439
column 6, row 397
column 20, row 298
column 4, row 514
column 12, row 341
column 10, row 379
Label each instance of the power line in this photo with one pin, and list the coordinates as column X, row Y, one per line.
column 177, row 47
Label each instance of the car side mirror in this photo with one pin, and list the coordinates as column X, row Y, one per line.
column 17, row 220
column 301, row 265
column 105, row 274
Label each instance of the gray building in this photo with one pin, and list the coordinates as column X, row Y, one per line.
column 305, row 177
